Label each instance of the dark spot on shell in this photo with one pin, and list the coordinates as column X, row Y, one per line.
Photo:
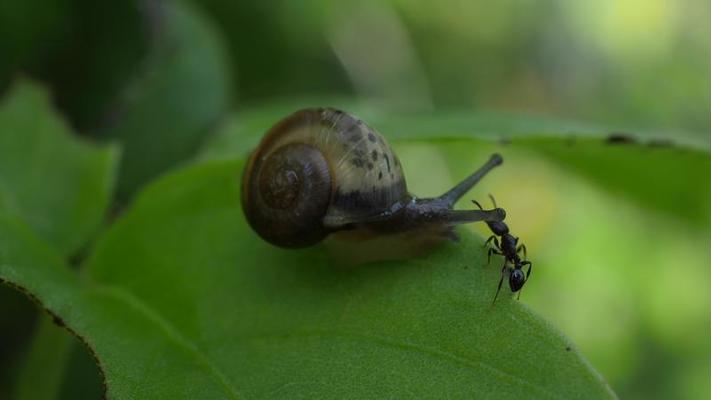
column 387, row 160
column 370, row 166
column 332, row 112
column 380, row 175
column 359, row 153
column 371, row 137
column 352, row 132
column 358, row 162
column 374, row 155
column 620, row 138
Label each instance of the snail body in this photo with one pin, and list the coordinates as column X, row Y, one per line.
column 321, row 170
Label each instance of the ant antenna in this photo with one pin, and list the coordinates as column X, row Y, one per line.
column 493, row 200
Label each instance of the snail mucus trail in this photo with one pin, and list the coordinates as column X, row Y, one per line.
column 321, row 171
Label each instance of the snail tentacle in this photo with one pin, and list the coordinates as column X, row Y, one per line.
column 454, row 194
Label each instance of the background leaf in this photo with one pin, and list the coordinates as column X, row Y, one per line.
column 635, row 168
column 197, row 312
column 59, row 185
column 181, row 90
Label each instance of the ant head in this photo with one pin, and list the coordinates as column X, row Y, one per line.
column 516, row 280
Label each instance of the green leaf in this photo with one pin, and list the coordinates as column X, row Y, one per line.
column 57, row 366
column 660, row 176
column 45, row 363
column 17, row 317
column 244, row 130
column 102, row 48
column 636, row 168
column 60, row 185
column 180, row 92
column 181, row 299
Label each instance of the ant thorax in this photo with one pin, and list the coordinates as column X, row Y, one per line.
column 508, row 245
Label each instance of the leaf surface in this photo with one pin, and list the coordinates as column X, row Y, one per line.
column 60, row 185
column 182, row 300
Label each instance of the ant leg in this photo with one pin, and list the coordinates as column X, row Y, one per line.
column 496, row 243
column 494, row 251
column 492, row 237
column 498, row 289
column 462, row 187
column 501, row 280
column 522, row 247
column 528, row 272
column 488, row 258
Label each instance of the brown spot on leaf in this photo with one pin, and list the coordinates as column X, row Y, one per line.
column 620, row 138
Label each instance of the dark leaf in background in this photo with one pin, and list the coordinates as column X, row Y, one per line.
column 57, row 366
column 179, row 92
column 31, row 32
column 84, row 50
column 17, row 320
column 151, row 74
column 278, row 48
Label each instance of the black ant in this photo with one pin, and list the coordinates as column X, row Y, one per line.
column 509, row 249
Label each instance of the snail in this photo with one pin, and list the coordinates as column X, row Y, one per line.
column 320, row 171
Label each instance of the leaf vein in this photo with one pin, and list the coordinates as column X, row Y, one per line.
column 132, row 301
column 388, row 341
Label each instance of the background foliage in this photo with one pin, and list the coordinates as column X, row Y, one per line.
column 618, row 232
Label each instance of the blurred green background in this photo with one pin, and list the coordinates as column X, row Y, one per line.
column 626, row 283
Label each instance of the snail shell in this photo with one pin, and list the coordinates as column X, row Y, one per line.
column 317, row 171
